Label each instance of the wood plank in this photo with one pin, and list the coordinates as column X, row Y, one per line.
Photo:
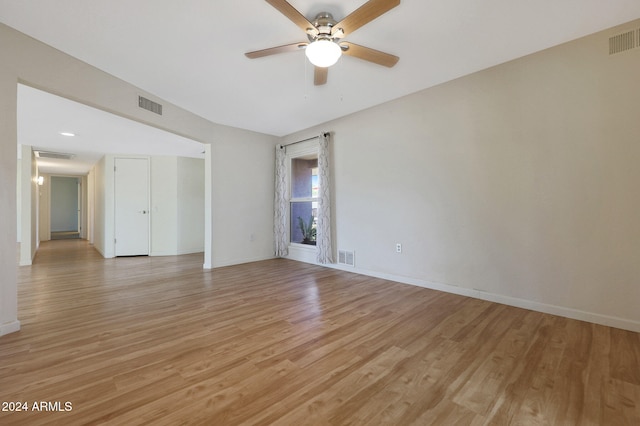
column 625, row 356
column 162, row 341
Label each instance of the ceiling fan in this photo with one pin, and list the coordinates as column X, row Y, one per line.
column 325, row 45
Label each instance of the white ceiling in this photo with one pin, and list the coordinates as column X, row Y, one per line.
column 191, row 52
column 43, row 116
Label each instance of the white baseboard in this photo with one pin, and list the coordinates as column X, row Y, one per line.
column 163, row 253
column 9, row 327
column 190, row 250
column 176, row 252
column 102, row 253
column 229, row 262
column 610, row 321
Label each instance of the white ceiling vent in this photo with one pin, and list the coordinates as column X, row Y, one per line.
column 623, row 42
column 149, row 105
column 56, row 155
column 346, row 258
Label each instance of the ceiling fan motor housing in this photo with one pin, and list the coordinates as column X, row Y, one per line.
column 323, row 22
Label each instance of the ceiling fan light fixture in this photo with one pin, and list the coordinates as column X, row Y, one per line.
column 323, row 52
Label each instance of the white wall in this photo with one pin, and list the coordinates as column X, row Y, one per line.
column 19, row 196
column 164, row 209
column 28, row 211
column 190, row 205
column 84, row 206
column 516, row 184
column 103, row 226
column 44, row 209
column 91, row 206
column 177, row 205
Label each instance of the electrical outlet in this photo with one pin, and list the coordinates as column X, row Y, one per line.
column 398, row 248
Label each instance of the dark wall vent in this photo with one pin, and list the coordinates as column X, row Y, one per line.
column 623, row 42
column 149, row 105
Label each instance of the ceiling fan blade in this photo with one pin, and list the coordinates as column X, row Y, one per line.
column 296, row 17
column 320, row 76
column 294, row 47
column 369, row 54
column 364, row 14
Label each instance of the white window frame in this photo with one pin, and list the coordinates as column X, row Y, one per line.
column 297, row 150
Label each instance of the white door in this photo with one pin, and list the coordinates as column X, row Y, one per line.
column 132, row 206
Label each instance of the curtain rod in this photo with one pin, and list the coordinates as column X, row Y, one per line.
column 325, row 134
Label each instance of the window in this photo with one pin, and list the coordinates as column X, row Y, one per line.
column 303, row 199
column 302, row 204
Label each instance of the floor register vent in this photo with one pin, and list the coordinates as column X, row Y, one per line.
column 346, row 258
column 625, row 41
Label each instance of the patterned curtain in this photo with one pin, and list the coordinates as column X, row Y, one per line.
column 323, row 244
column 280, row 205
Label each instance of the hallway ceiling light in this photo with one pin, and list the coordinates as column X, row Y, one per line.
column 67, row 134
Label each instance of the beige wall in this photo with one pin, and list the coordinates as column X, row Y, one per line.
column 8, row 190
column 32, row 63
column 517, row 184
column 245, row 188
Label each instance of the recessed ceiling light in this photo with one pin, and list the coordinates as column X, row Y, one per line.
column 67, row 134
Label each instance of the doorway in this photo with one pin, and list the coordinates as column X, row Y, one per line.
column 131, row 207
column 66, row 202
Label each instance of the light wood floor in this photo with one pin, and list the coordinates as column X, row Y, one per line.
column 161, row 341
